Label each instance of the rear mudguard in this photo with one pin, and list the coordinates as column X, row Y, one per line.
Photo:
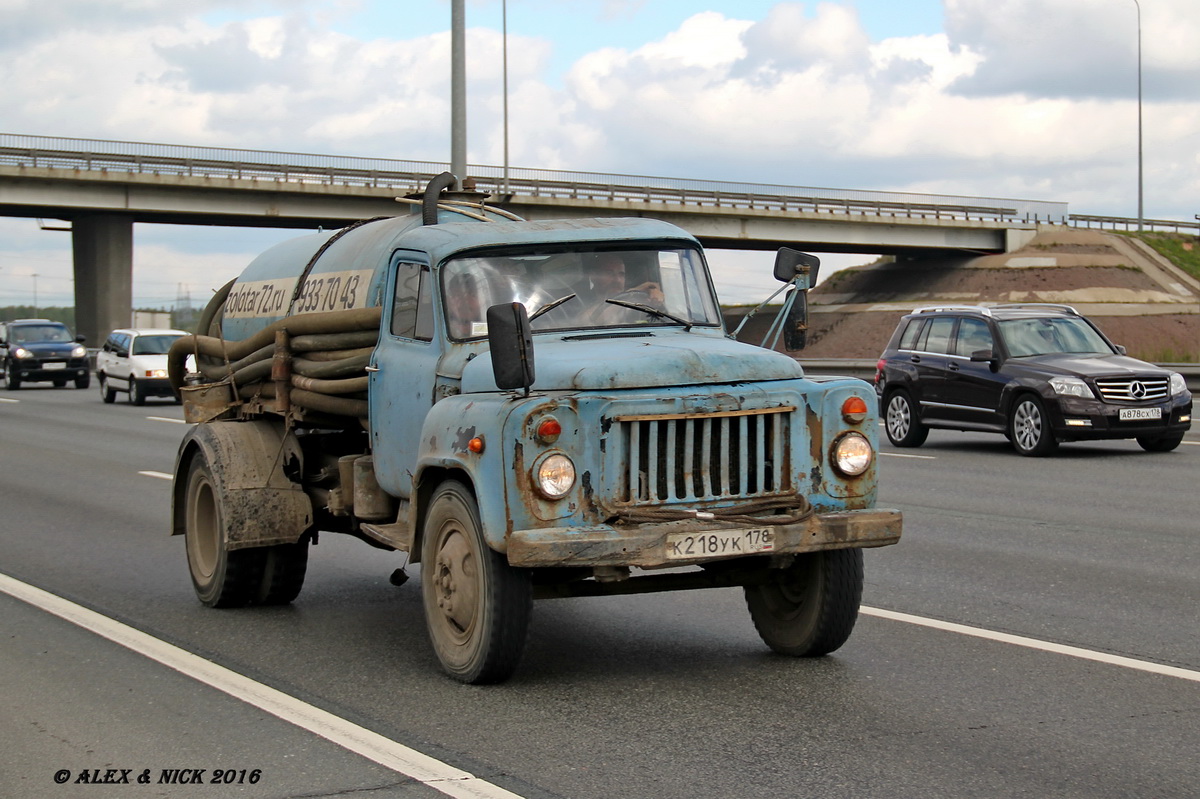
column 250, row 463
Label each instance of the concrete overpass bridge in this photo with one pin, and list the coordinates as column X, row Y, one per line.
column 101, row 188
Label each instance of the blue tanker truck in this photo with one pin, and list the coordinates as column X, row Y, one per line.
column 528, row 409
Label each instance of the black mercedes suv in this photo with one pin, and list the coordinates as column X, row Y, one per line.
column 38, row 350
column 1037, row 373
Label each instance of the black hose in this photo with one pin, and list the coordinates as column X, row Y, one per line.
column 429, row 211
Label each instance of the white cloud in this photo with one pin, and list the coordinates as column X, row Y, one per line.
column 1014, row 99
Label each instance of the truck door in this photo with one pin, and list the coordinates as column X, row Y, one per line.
column 403, row 372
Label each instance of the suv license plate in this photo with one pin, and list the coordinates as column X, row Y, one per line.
column 1131, row 414
column 54, row 366
column 716, row 543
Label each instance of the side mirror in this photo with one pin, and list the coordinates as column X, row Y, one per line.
column 511, row 342
column 789, row 263
column 80, row 339
column 982, row 355
column 1120, row 349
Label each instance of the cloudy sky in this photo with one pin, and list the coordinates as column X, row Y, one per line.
column 1025, row 99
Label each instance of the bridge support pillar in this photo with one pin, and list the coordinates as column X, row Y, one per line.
column 102, row 245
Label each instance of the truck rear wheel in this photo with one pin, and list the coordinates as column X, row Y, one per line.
column 809, row 608
column 284, row 568
column 222, row 579
column 477, row 607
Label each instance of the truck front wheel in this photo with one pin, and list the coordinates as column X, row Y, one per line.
column 809, row 608
column 477, row 607
column 222, row 579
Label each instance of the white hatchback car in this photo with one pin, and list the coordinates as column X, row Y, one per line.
column 135, row 361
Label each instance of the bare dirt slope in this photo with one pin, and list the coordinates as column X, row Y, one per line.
column 1136, row 297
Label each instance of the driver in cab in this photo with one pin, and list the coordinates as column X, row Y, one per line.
column 605, row 279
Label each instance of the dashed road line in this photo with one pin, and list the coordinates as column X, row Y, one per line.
column 1034, row 643
column 159, row 475
column 905, row 455
column 166, row 419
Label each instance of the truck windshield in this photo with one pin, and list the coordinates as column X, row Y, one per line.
column 668, row 286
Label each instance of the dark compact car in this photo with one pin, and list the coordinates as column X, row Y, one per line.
column 41, row 351
column 1037, row 373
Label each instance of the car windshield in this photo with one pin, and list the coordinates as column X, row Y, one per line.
column 670, row 285
column 152, row 345
column 34, row 333
column 1045, row 336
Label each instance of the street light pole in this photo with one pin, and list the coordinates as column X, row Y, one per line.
column 1141, row 216
column 504, row 47
column 458, row 92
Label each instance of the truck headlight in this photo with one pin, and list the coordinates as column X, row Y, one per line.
column 1071, row 387
column 79, row 351
column 1178, row 385
column 852, row 454
column 554, row 476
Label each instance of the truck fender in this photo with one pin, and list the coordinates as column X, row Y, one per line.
column 444, row 455
column 250, row 463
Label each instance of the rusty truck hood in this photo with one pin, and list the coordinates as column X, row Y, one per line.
column 662, row 357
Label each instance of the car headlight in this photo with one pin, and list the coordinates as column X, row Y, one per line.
column 1178, row 384
column 21, row 352
column 156, row 373
column 1071, row 387
column 79, row 352
column 852, row 454
column 554, row 476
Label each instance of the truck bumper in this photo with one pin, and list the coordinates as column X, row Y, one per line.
column 646, row 545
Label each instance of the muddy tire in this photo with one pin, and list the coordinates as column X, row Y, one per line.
column 222, row 579
column 809, row 609
column 107, row 392
column 477, row 607
column 284, row 568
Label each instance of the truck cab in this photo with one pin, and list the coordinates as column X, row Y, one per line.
column 531, row 409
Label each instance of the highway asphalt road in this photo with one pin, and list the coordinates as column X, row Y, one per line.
column 1089, row 561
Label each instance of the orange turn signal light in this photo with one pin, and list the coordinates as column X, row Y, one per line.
column 476, row 444
column 854, row 409
column 549, row 430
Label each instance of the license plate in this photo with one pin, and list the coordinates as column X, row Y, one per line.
column 716, row 543
column 1132, row 414
column 49, row 366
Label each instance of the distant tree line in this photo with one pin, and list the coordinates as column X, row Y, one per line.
column 184, row 318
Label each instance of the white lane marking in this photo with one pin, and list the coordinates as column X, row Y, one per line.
column 165, row 419
column 904, row 455
column 159, row 475
column 9, row 399
column 1189, row 443
column 371, row 745
column 1034, row 643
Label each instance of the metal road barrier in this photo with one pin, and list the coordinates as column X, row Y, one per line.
column 865, row 369
column 405, row 177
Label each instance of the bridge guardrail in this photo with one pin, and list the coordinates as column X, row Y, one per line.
column 864, row 369
column 1122, row 223
column 411, row 176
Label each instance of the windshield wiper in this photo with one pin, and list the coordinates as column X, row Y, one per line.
column 550, row 306
column 637, row 306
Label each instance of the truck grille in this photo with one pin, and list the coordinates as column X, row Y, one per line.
column 704, row 456
column 1124, row 389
